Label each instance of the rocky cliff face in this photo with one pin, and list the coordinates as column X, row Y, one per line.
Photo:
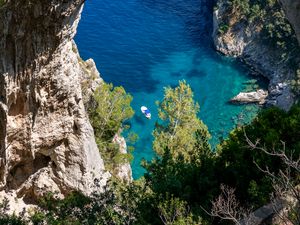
column 123, row 171
column 46, row 140
column 292, row 10
column 242, row 39
column 90, row 81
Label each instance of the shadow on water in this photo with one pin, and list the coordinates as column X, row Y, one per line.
column 151, row 87
column 139, row 120
column 196, row 15
column 139, row 81
column 202, row 102
column 177, row 74
column 147, row 139
column 196, row 73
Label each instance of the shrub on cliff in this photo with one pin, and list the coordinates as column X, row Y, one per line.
column 112, row 108
column 119, row 204
column 2, row 2
column 6, row 219
column 295, row 83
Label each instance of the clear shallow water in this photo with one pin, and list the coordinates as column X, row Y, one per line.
column 145, row 45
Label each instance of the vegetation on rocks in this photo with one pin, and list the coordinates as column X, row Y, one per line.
column 295, row 83
column 267, row 20
column 179, row 186
column 111, row 109
column 270, row 18
column 6, row 219
column 2, row 2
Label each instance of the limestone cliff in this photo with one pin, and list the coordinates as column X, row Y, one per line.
column 46, row 140
column 90, row 81
column 123, row 170
column 237, row 36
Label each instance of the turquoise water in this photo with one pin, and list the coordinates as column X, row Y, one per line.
column 145, row 45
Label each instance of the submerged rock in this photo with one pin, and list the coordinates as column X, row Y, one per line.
column 258, row 96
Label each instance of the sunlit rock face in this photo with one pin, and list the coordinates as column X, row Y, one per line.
column 47, row 142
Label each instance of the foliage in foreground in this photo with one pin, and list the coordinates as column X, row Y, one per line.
column 2, row 2
column 177, row 187
column 197, row 181
column 273, row 129
column 117, row 205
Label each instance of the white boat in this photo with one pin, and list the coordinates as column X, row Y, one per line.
column 146, row 112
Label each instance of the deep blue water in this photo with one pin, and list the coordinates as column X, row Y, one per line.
column 145, row 45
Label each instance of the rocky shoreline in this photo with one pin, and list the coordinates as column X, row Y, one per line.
column 242, row 41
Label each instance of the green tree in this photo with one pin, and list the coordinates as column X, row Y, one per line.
column 179, row 125
column 117, row 205
column 111, row 109
column 2, row 2
column 237, row 163
column 173, row 211
column 184, row 165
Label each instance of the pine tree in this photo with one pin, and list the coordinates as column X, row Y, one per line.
column 180, row 129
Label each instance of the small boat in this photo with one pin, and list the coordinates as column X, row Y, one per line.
column 146, row 112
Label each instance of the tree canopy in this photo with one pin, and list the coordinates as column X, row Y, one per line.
column 179, row 124
column 111, row 109
column 183, row 180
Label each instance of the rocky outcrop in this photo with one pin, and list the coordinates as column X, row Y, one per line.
column 258, row 96
column 47, row 142
column 279, row 211
column 90, row 78
column 239, row 38
column 123, row 171
column 262, row 214
column 90, row 81
column 292, row 10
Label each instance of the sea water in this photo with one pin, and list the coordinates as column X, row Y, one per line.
column 146, row 45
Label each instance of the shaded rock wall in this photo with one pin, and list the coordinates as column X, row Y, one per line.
column 292, row 10
column 242, row 40
column 47, row 142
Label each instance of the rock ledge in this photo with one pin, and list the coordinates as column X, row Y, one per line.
column 258, row 96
